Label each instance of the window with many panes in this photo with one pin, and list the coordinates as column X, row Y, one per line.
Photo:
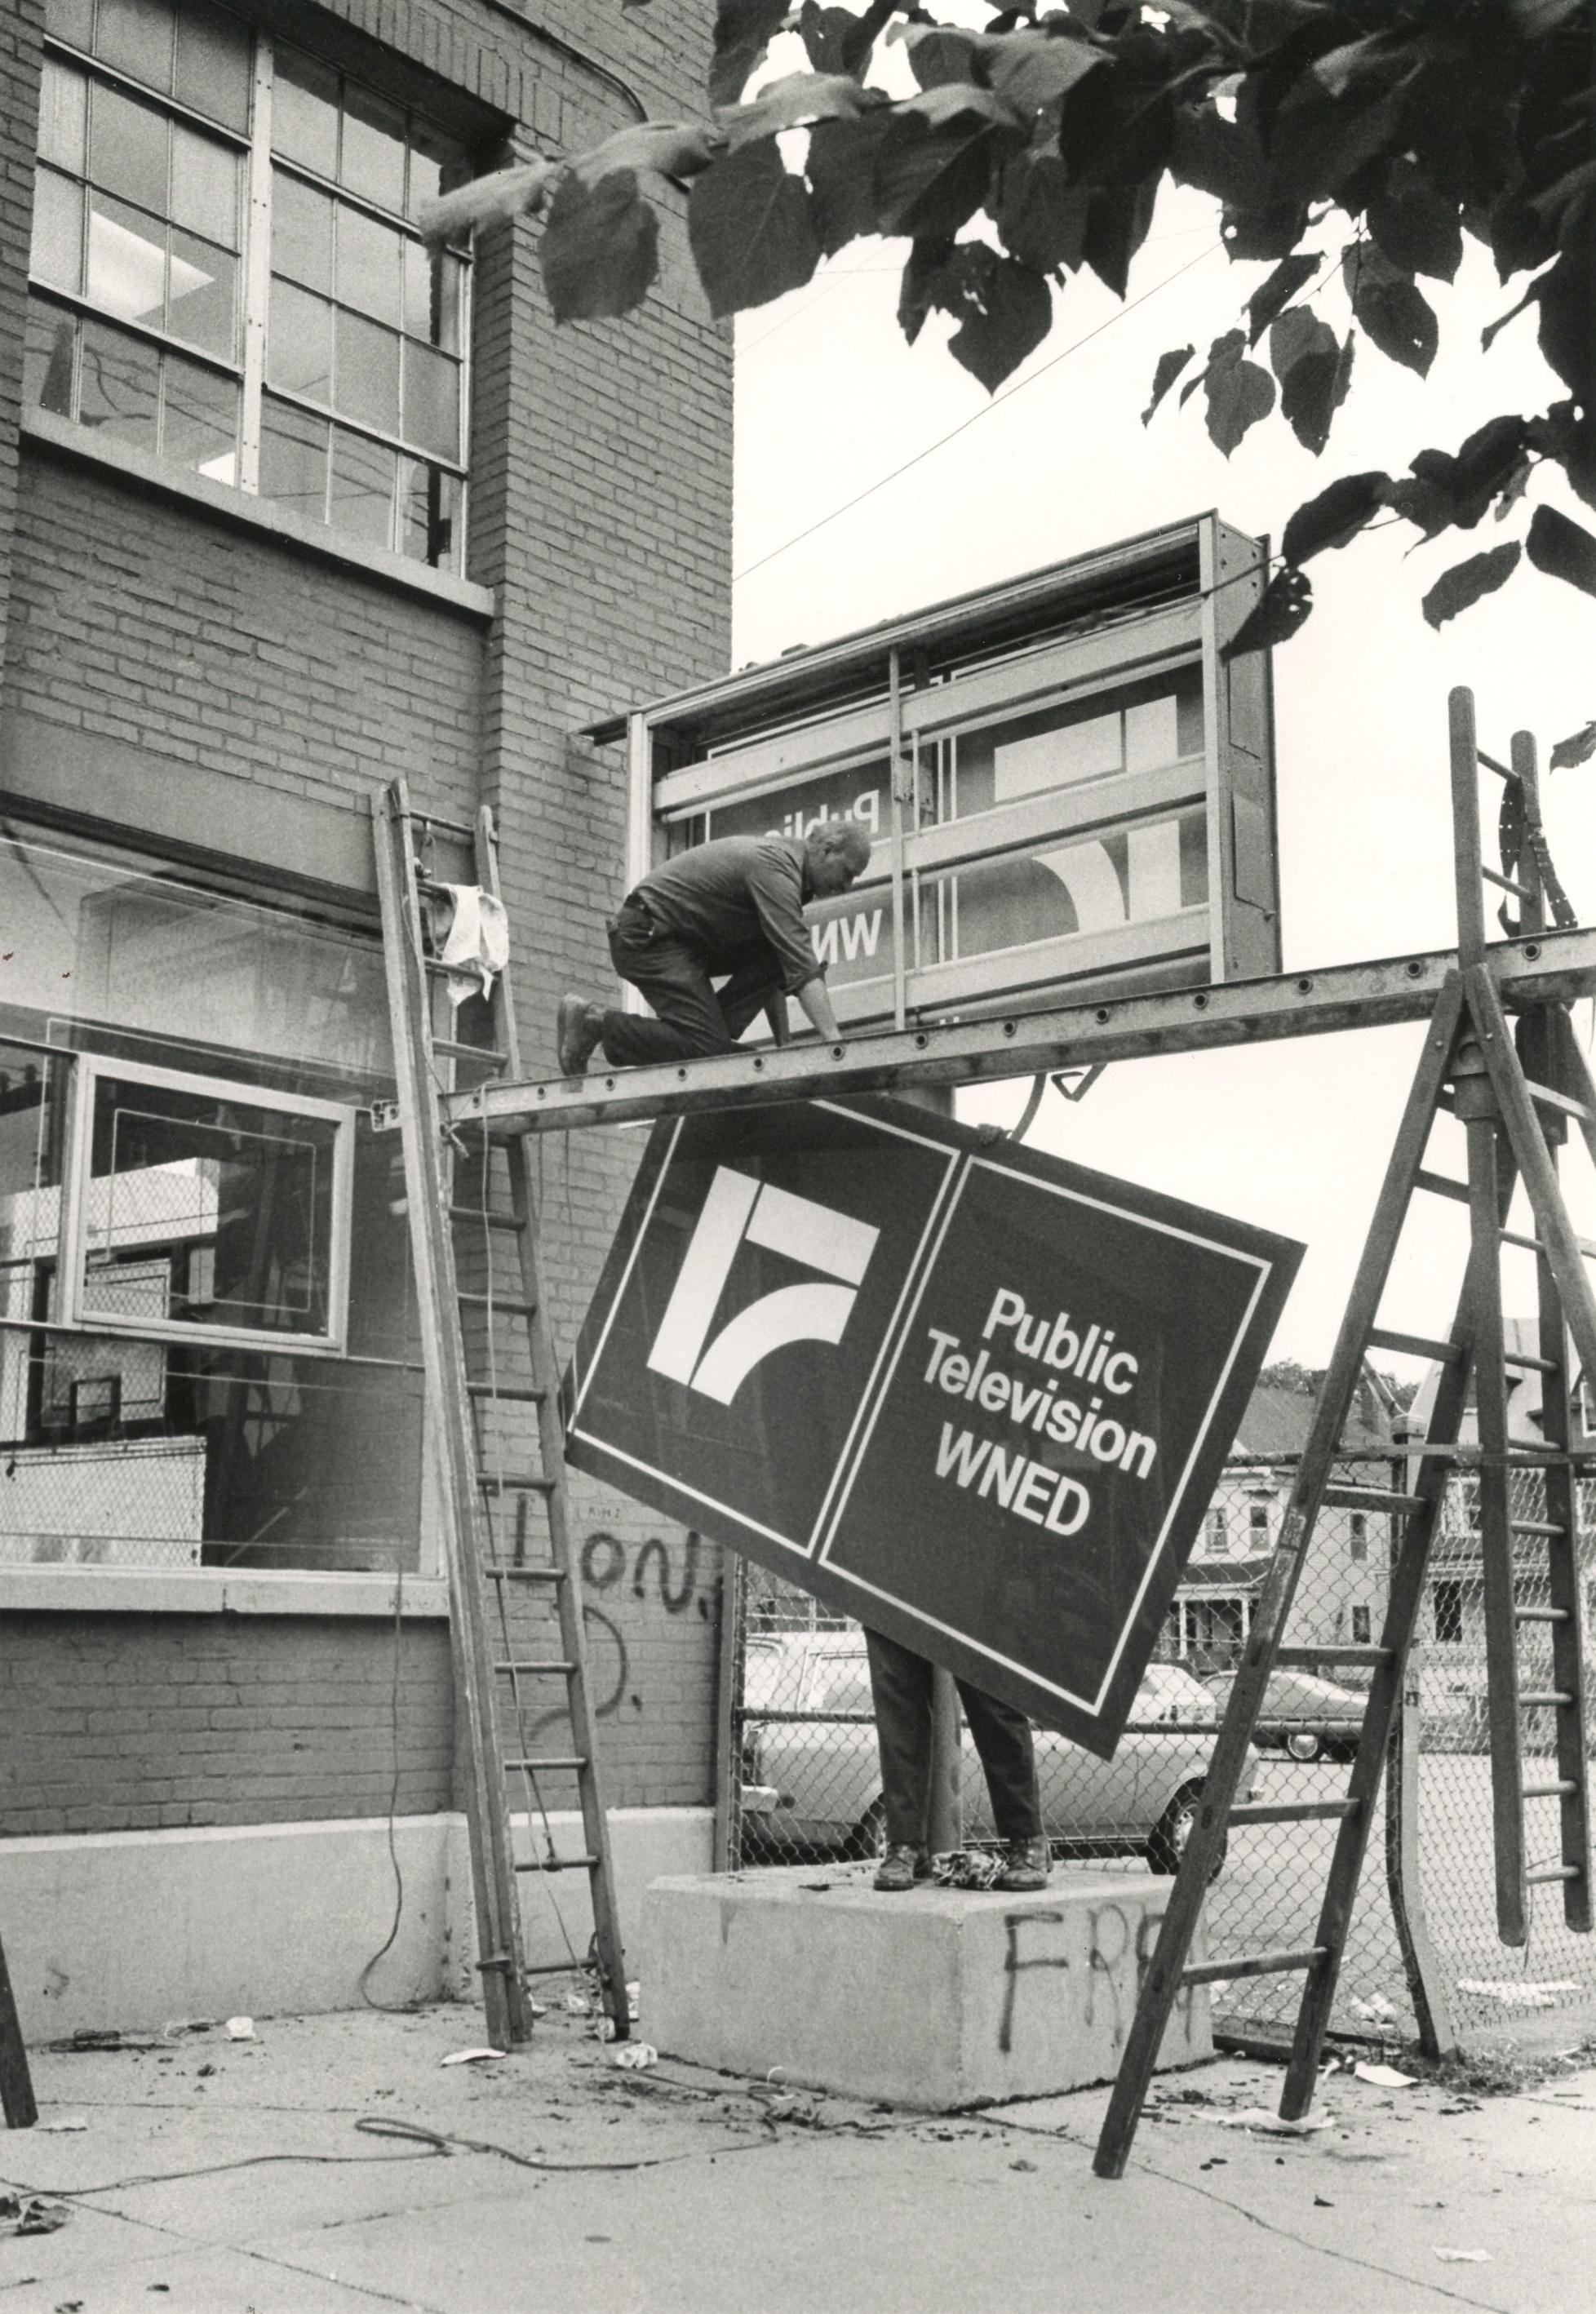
column 226, row 270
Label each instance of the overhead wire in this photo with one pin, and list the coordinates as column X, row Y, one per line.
column 999, row 402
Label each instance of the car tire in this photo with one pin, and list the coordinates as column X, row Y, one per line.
column 1166, row 1843
column 867, row 1840
column 1303, row 1744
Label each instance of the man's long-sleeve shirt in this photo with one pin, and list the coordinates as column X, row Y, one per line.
column 734, row 896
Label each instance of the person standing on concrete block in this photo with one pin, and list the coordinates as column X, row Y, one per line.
column 732, row 907
column 901, row 1686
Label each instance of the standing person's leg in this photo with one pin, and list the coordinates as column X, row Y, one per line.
column 901, row 1686
column 1004, row 1739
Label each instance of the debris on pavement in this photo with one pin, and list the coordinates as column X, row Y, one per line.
column 31, row 2214
column 1464, row 2257
column 1257, row 2116
column 471, row 2056
column 241, row 2028
column 1515, row 1992
column 1384, row 2077
column 636, row 2056
column 65, row 2122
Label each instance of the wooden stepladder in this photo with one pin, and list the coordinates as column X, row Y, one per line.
column 1513, row 1097
column 471, row 1209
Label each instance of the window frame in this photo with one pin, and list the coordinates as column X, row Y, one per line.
column 72, row 1248
column 247, row 369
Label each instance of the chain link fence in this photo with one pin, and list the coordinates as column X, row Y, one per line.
column 806, row 1781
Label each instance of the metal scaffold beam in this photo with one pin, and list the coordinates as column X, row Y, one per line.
column 1550, row 967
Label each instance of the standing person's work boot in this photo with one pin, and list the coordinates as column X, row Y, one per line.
column 903, row 1865
column 577, row 1029
column 1026, row 1865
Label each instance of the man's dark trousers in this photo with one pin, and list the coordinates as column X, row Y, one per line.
column 674, row 974
column 901, row 1682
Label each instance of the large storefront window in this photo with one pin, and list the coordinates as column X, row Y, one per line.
column 226, row 272
column 208, row 1353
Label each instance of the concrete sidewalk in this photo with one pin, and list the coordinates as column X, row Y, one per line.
column 214, row 2177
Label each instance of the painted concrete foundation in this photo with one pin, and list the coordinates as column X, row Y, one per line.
column 134, row 1930
column 941, row 1998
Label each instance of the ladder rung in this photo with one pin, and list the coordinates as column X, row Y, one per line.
column 542, row 1664
column 1540, row 1614
column 486, row 1221
column 1536, row 1245
column 1549, row 1097
column 1507, row 884
column 562, row 1762
column 1536, row 1526
column 1414, row 1346
column 1304, row 1658
column 1530, row 1364
column 549, row 1968
column 433, row 819
column 1502, row 770
column 559, row 1864
column 1529, row 1698
column 1295, row 1812
column 459, row 1052
column 524, row 1574
column 1442, row 1185
column 1558, row 1790
column 514, row 1482
column 513, row 1394
column 1541, row 1872
column 499, row 1305
column 1263, row 1963
column 1372, row 1498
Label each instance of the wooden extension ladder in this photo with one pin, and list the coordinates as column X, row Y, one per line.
column 469, row 1204
column 16, row 2083
column 1515, row 1099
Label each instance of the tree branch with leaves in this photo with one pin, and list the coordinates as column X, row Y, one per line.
column 1036, row 149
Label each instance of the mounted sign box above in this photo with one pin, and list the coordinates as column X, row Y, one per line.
column 1068, row 778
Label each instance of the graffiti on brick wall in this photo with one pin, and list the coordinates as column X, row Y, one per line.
column 647, row 1571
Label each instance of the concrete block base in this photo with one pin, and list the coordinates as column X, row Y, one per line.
column 937, row 1999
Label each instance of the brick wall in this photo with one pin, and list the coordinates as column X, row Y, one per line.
column 601, row 514
column 127, row 1723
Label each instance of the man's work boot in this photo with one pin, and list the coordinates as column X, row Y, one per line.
column 903, row 1865
column 1025, row 1863
column 578, row 1029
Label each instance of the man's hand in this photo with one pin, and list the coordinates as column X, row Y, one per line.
column 816, row 999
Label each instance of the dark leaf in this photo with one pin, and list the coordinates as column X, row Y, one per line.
column 937, row 55
column 1389, row 308
column 1562, row 549
column 749, row 223
column 1516, row 484
column 1314, row 369
column 1492, row 330
column 1455, row 493
column 1239, row 392
column 1569, row 438
column 842, row 173
column 1117, row 222
column 1568, row 318
column 926, row 285
column 1006, row 313
column 1171, row 366
column 837, row 41
column 930, row 178
column 1335, row 516
column 1032, row 70
column 1271, row 231
column 1318, row 141
column 1534, row 19
column 600, row 248
column 1339, row 69
column 1415, row 226
column 1466, row 582
column 1577, row 748
column 1280, row 610
column 1220, row 157
column 1266, row 304
column 744, row 30
column 1040, row 215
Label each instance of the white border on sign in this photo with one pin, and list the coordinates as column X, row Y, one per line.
column 950, row 1181
column 1093, row 1707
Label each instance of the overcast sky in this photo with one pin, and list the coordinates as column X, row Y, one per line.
column 830, row 401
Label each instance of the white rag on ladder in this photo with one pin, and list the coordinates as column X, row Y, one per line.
column 477, row 945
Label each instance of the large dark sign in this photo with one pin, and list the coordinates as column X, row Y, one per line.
column 975, row 1397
